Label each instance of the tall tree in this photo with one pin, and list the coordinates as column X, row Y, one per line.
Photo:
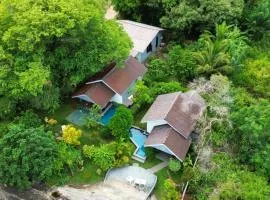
column 185, row 16
column 52, row 45
column 222, row 52
column 227, row 180
column 253, row 129
column 27, row 156
column 257, row 18
column 121, row 123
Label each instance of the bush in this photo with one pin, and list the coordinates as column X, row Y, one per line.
column 7, row 108
column 103, row 156
column 50, row 121
column 170, row 192
column 94, row 117
column 71, row 135
column 114, row 154
column 174, row 165
column 28, row 119
column 68, row 159
column 3, row 130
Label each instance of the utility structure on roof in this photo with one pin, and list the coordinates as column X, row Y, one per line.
column 171, row 120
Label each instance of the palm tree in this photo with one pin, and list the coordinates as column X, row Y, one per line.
column 222, row 52
column 213, row 57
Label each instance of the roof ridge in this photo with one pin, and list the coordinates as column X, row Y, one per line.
column 106, row 75
column 167, row 134
column 142, row 25
column 173, row 104
column 114, row 68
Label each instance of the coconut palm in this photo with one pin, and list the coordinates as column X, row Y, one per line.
column 213, row 57
column 222, row 52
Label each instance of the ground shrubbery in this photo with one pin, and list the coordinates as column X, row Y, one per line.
column 110, row 155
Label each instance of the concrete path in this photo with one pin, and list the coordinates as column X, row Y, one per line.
column 158, row 167
column 165, row 161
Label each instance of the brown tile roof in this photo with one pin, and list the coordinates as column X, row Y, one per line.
column 167, row 136
column 102, row 73
column 180, row 110
column 160, row 107
column 119, row 79
column 98, row 92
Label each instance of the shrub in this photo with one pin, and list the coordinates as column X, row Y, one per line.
column 71, row 135
column 102, row 156
column 174, row 165
column 7, row 108
column 110, row 155
column 68, row 158
column 94, row 117
column 170, row 192
column 28, row 119
column 50, row 121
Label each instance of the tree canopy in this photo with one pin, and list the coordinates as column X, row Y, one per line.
column 121, row 122
column 27, row 156
column 182, row 16
column 47, row 46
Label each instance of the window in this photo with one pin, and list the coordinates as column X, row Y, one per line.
column 149, row 48
column 157, row 40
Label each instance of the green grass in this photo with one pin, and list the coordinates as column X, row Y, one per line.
column 162, row 175
column 61, row 114
column 149, row 163
column 4, row 122
column 89, row 137
column 87, row 176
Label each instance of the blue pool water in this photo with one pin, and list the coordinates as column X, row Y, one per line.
column 138, row 138
column 105, row 119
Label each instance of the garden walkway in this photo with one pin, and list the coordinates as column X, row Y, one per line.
column 160, row 166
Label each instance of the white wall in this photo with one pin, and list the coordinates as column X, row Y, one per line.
column 84, row 97
column 144, row 55
column 117, row 98
column 163, row 148
column 152, row 124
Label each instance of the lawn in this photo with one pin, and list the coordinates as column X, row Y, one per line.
column 87, row 176
column 89, row 137
column 149, row 163
column 61, row 113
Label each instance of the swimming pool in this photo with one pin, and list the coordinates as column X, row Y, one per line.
column 138, row 137
column 105, row 119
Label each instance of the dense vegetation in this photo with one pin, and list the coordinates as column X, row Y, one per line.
column 47, row 48
column 227, row 61
column 218, row 47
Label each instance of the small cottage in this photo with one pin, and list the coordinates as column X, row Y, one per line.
column 171, row 120
column 113, row 84
column 146, row 39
